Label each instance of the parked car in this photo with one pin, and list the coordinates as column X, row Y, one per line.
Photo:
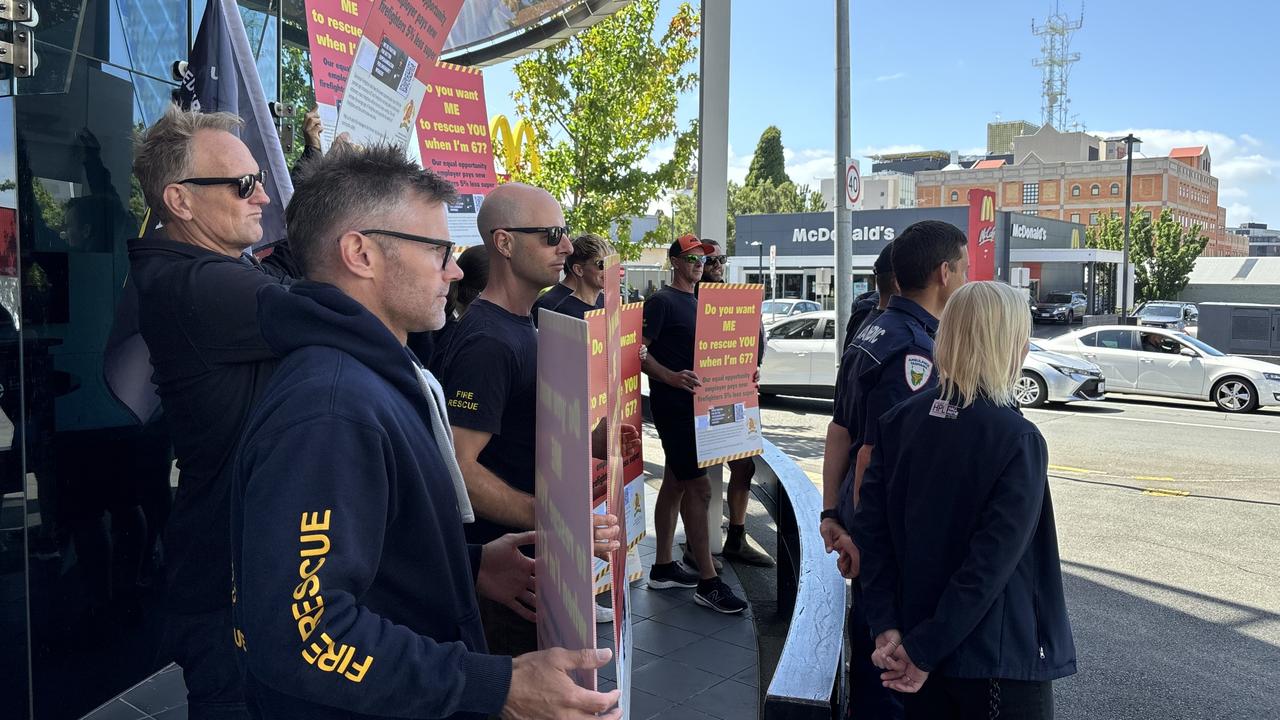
column 1171, row 363
column 800, row 356
column 1063, row 307
column 1048, row 377
column 782, row 308
column 800, row 359
column 1168, row 314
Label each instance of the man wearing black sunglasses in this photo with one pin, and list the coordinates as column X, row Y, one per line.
column 582, row 289
column 198, row 313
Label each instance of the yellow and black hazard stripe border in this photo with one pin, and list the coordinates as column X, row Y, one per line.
column 727, row 458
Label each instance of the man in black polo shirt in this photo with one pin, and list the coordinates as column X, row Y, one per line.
column 670, row 321
column 489, row 373
column 582, row 289
column 197, row 297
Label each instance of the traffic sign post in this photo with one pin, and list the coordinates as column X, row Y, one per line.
column 773, row 271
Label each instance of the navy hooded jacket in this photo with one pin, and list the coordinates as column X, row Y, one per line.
column 354, row 589
column 959, row 549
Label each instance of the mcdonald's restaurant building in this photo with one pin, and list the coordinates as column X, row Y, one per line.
column 1042, row 255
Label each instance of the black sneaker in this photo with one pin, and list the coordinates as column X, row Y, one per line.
column 671, row 575
column 744, row 552
column 716, row 595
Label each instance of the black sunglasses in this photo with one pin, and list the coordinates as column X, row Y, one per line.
column 245, row 184
column 717, row 259
column 554, row 233
column 446, row 244
column 599, row 264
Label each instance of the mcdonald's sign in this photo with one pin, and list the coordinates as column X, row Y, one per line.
column 982, row 234
column 514, row 150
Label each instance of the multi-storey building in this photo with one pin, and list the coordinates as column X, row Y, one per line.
column 1263, row 242
column 1000, row 135
column 1067, row 176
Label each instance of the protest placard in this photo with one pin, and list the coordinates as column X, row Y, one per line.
column 726, row 407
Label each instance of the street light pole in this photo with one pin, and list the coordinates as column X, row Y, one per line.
column 1129, row 141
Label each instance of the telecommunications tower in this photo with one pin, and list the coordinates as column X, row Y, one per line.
column 1056, row 60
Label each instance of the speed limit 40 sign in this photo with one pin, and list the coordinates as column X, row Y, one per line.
column 852, row 184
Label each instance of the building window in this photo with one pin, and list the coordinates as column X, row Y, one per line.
column 1095, row 190
column 1075, row 217
column 1030, row 212
column 954, row 196
column 1075, row 191
column 1115, row 188
column 1030, row 193
column 1093, row 218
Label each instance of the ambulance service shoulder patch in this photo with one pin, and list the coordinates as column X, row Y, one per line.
column 918, row 369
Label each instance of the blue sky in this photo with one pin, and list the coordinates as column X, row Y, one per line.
column 931, row 75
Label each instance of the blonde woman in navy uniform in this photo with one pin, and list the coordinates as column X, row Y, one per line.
column 960, row 571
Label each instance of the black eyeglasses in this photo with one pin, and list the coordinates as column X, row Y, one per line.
column 446, row 244
column 245, row 184
column 554, row 233
column 717, row 259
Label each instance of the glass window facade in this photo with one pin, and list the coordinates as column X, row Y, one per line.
column 85, row 491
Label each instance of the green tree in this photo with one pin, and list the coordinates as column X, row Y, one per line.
column 296, row 91
column 768, row 165
column 746, row 199
column 598, row 103
column 1161, row 250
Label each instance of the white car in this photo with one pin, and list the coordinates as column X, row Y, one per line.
column 773, row 311
column 1052, row 377
column 800, row 359
column 1171, row 363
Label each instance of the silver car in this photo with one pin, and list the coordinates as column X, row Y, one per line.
column 1170, row 363
column 1052, row 377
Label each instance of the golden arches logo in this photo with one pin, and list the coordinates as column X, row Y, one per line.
column 988, row 213
column 517, row 147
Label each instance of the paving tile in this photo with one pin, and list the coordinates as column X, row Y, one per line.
column 750, row 676
column 639, row 659
column 673, row 681
column 645, row 705
column 701, row 620
column 715, row 656
column 160, row 692
column 740, row 634
column 647, row 603
column 178, row 713
column 682, row 712
column 661, row 639
column 603, row 685
column 729, row 700
column 116, row 710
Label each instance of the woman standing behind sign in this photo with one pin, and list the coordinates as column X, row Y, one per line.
column 960, row 565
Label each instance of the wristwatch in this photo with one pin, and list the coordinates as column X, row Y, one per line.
column 829, row 514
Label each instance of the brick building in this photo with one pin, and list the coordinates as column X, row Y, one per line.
column 1079, row 177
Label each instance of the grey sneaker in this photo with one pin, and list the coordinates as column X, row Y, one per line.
column 744, row 552
column 717, row 596
column 690, row 562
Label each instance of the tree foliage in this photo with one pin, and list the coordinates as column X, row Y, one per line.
column 1161, row 250
column 769, row 164
column 746, row 199
column 296, row 91
column 598, row 103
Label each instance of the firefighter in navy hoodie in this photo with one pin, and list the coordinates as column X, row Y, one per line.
column 354, row 590
column 960, row 570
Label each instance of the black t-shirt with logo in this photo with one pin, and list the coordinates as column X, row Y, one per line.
column 561, row 299
column 489, row 371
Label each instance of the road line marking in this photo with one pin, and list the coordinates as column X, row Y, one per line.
column 1161, row 492
column 1162, row 422
column 1154, row 478
column 1066, row 468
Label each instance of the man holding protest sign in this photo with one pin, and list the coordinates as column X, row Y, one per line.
column 670, row 322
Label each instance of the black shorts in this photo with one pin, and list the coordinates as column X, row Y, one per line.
column 673, row 417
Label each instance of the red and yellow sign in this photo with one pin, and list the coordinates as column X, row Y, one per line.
column 452, row 129
column 726, row 408
column 982, row 234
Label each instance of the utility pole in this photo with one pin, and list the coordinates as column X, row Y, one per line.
column 1129, row 142
column 843, row 217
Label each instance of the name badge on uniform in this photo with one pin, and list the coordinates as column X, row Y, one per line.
column 943, row 409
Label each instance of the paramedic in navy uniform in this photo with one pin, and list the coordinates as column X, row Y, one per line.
column 890, row 360
column 960, row 570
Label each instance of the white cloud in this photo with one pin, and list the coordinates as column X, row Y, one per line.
column 890, row 78
column 1232, row 193
column 1251, row 140
column 1238, row 213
